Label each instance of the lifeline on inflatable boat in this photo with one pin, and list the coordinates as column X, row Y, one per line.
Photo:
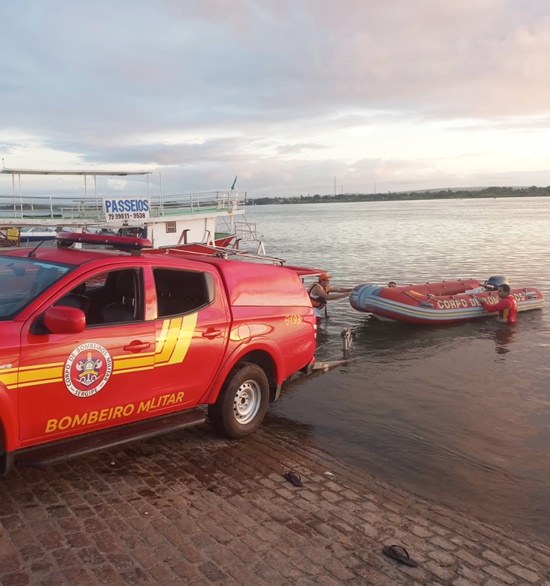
column 444, row 302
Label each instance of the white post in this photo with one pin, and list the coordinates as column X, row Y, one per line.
column 20, row 194
column 13, row 194
column 98, row 207
column 160, row 193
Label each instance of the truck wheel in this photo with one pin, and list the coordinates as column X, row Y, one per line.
column 242, row 402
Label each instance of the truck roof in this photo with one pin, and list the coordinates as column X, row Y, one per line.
column 248, row 282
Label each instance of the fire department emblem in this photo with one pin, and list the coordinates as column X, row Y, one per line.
column 87, row 369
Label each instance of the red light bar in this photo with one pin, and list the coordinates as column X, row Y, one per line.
column 119, row 242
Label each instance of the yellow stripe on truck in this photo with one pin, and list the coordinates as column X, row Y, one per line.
column 169, row 338
column 163, row 335
column 171, row 348
column 184, row 339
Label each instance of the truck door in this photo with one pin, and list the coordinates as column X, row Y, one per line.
column 72, row 383
column 192, row 330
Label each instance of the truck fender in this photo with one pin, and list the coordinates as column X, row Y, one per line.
column 238, row 354
column 8, row 421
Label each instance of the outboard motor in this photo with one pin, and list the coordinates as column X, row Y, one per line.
column 493, row 283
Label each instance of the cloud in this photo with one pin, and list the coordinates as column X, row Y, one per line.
column 298, row 87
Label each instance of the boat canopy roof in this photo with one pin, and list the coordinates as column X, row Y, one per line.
column 74, row 172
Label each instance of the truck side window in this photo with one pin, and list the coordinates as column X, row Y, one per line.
column 180, row 291
column 114, row 297
column 76, row 298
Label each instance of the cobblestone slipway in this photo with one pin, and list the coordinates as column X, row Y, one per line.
column 190, row 508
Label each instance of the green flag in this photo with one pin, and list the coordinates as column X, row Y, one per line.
column 233, row 186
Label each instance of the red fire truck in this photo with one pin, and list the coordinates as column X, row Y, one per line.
column 100, row 346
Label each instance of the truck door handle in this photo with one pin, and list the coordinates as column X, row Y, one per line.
column 211, row 333
column 137, row 346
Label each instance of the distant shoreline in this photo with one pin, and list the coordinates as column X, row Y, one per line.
column 489, row 192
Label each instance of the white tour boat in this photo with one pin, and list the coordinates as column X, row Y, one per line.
column 193, row 219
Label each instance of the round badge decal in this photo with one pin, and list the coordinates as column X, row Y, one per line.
column 87, row 369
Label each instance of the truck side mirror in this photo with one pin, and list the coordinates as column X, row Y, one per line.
column 61, row 319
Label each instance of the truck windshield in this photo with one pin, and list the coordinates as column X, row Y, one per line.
column 23, row 279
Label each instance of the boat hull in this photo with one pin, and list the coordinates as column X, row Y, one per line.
column 433, row 303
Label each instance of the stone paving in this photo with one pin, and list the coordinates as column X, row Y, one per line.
column 190, row 508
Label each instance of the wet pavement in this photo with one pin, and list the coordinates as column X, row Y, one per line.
column 191, row 508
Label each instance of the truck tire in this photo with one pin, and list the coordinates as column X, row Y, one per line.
column 242, row 402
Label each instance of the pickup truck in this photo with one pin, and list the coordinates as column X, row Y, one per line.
column 100, row 346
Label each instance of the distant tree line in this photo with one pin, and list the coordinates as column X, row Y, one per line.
column 404, row 195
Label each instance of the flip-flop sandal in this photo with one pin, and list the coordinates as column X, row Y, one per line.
column 293, row 477
column 399, row 554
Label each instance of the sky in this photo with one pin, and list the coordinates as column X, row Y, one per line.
column 293, row 97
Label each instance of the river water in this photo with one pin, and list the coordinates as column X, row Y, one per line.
column 459, row 414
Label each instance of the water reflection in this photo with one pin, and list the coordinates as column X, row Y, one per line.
column 503, row 336
column 388, row 339
column 456, row 404
column 458, row 413
column 398, row 338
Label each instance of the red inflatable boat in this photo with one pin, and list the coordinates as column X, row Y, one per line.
column 443, row 302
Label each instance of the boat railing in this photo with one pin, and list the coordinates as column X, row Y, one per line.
column 226, row 252
column 68, row 207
